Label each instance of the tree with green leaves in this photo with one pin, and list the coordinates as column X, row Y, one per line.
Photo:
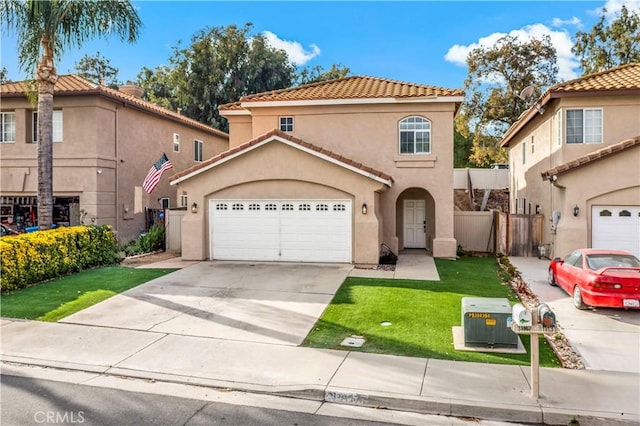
column 318, row 73
column 45, row 29
column 221, row 65
column 609, row 44
column 496, row 76
column 98, row 69
column 3, row 75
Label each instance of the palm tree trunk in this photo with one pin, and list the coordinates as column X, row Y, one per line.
column 46, row 78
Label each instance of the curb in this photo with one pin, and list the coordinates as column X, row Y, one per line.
column 534, row 414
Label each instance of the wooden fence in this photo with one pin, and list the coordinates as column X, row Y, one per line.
column 524, row 234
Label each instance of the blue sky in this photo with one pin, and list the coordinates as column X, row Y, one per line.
column 417, row 41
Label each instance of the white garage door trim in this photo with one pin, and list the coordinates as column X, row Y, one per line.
column 281, row 230
column 616, row 227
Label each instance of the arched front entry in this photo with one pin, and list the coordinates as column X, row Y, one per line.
column 415, row 219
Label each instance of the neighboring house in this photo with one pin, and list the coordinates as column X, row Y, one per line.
column 575, row 158
column 327, row 172
column 104, row 143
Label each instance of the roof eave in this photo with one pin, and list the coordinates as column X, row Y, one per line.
column 352, row 101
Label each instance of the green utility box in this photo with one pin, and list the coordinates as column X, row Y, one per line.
column 487, row 322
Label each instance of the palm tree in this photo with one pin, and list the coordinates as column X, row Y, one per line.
column 45, row 29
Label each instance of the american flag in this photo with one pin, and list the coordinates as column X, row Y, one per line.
column 155, row 172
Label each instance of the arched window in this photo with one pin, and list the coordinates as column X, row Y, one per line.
column 415, row 135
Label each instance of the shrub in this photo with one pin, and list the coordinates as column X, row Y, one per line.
column 27, row 259
column 147, row 243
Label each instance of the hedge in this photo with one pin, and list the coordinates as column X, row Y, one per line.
column 27, row 259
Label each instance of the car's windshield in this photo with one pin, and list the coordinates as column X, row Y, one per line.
column 597, row 261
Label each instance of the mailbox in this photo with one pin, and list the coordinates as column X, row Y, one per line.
column 546, row 317
column 521, row 315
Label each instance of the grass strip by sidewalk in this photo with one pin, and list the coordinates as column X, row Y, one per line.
column 59, row 298
column 422, row 314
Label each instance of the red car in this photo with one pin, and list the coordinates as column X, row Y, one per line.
column 596, row 277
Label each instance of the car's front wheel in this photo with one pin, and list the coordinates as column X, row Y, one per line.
column 551, row 279
column 577, row 298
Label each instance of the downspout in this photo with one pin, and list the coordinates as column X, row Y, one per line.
column 117, row 142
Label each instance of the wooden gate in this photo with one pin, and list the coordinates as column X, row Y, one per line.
column 525, row 234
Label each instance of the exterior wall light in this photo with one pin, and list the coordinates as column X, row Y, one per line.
column 576, row 210
column 194, row 208
column 364, row 208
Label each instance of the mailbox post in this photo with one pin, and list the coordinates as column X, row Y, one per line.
column 542, row 321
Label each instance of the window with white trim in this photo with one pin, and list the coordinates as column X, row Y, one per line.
column 524, row 152
column 584, row 125
column 176, row 142
column 184, row 202
column 559, row 127
column 197, row 150
column 286, row 124
column 7, row 127
column 164, row 203
column 415, row 135
column 57, row 126
column 533, row 145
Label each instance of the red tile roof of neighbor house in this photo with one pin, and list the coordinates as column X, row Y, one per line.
column 622, row 80
column 277, row 133
column 355, row 87
column 591, row 157
column 75, row 85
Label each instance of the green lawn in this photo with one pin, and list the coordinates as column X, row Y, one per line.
column 56, row 299
column 422, row 314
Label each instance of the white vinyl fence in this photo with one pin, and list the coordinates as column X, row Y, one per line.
column 476, row 231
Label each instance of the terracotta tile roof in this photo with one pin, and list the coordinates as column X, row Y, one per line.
column 620, row 78
column 591, row 157
column 355, row 87
column 75, row 85
column 289, row 138
column 624, row 79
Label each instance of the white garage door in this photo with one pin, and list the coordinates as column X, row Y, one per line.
column 281, row 230
column 616, row 227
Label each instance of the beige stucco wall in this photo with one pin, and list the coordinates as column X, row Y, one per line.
column 106, row 152
column 368, row 134
column 614, row 180
column 621, row 120
column 278, row 171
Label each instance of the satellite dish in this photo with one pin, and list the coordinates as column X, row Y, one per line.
column 526, row 93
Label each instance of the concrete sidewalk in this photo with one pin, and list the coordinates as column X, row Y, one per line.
column 488, row 391
column 460, row 389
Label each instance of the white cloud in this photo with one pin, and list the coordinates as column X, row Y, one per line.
column 557, row 22
column 613, row 8
column 560, row 39
column 295, row 51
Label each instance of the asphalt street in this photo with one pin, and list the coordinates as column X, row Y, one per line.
column 32, row 401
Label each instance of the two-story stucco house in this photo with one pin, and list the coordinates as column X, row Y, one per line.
column 327, row 172
column 105, row 142
column 575, row 158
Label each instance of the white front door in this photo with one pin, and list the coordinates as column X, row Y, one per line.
column 415, row 224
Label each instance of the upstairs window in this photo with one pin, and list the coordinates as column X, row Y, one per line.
column 197, row 150
column 7, row 127
column 57, row 126
column 415, row 136
column 286, row 124
column 176, row 142
column 584, row 126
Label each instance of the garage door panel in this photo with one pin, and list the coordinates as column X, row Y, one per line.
column 616, row 227
column 281, row 230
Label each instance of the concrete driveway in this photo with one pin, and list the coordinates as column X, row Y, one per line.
column 256, row 302
column 606, row 339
